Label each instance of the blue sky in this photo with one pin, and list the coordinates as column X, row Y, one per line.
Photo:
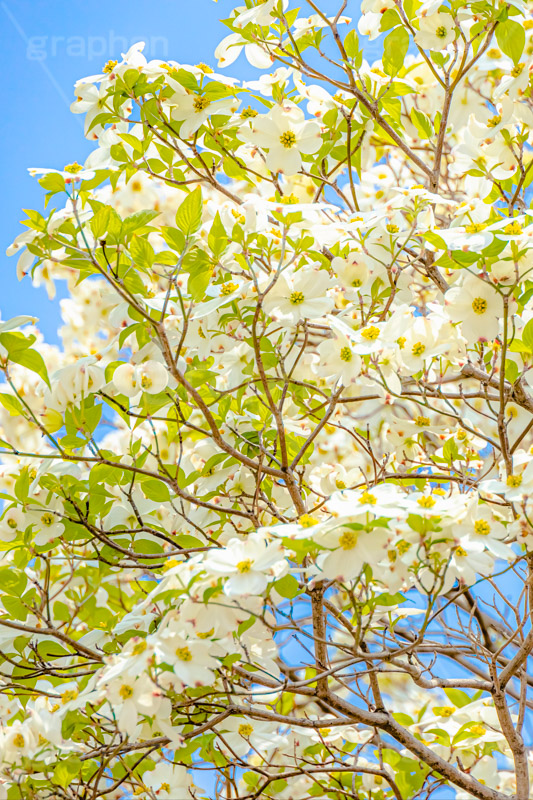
column 45, row 46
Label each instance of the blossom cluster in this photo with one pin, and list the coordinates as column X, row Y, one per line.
column 264, row 503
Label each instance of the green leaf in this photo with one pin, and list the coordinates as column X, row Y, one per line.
column 287, row 586
column 511, row 370
column 217, row 238
column 142, row 252
column 395, row 49
column 174, row 238
column 233, row 170
column 156, row 490
column 133, row 141
column 12, row 581
column 434, row 239
column 422, row 123
column 450, row 451
column 12, row 404
column 527, row 335
column 31, row 359
column 403, row 719
column 389, row 19
column 387, row 599
column 511, row 38
column 351, row 44
column 16, row 341
column 53, row 182
column 99, row 223
column 189, row 214
column 458, row 697
column 201, row 271
column 138, row 220
column 518, row 346
column 66, row 770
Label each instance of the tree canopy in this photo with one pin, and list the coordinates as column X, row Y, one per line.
column 267, row 526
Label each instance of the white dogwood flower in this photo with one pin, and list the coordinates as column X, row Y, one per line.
column 248, row 564
column 299, row 294
column 168, row 781
column 435, row 31
column 150, row 377
column 285, row 134
column 477, row 306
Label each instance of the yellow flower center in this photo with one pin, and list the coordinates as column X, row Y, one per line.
column 441, row 31
column 289, row 199
column 475, row 227
column 246, row 729
column 348, row 540
column 513, row 481
column 184, row 654
column 287, row 139
column 205, row 68
column 482, row 527
column 493, row 121
column 47, row 519
column 479, row 305
column 426, row 502
column 125, row 691
column 370, row 333
column 494, row 53
column 418, row 348
column 109, row 66
column 73, row 168
column 516, row 71
column 244, row 566
column 345, row 354
column 446, row 711
column 139, row 648
column 478, row 730
column 68, row 695
column 401, row 340
column 422, row 421
column 11, row 523
column 391, row 228
column 513, row 229
column 403, row 546
column 246, row 113
column 200, row 103
column 146, row 382
column 18, row 740
column 229, row 288
column 296, row 298
column 460, row 551
column 307, row 521
column 368, row 498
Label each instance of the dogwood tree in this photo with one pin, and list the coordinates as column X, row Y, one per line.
column 268, row 509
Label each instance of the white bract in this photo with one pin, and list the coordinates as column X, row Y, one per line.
column 150, row 377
